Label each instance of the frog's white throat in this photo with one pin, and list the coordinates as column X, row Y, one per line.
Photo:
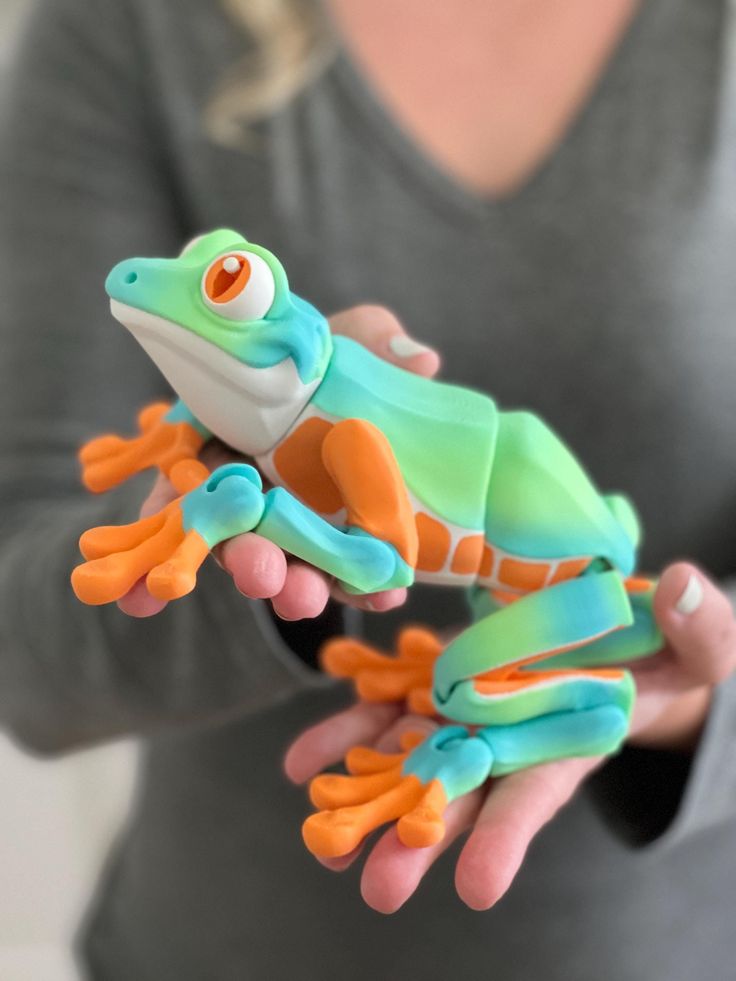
column 250, row 409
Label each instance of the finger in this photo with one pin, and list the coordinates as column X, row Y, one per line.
column 393, row 871
column 138, row 602
column 516, row 808
column 381, row 332
column 390, row 741
column 258, row 567
column 698, row 622
column 161, row 494
column 327, row 742
column 389, row 599
column 304, row 594
column 343, row 862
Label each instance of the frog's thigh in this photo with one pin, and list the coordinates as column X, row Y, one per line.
column 360, row 460
column 585, row 732
column 298, row 463
column 540, row 500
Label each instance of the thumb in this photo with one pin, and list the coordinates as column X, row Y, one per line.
column 379, row 330
column 698, row 622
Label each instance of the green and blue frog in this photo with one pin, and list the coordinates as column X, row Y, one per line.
column 380, row 478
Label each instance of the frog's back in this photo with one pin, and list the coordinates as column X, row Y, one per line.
column 498, row 498
column 542, row 506
column 443, row 436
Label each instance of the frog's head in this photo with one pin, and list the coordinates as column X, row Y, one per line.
column 241, row 350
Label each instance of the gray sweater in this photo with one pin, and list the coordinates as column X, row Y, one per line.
column 601, row 296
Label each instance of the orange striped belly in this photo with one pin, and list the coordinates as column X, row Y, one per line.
column 448, row 554
column 452, row 555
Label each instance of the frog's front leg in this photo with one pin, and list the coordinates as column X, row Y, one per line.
column 377, row 548
column 168, row 548
column 168, row 434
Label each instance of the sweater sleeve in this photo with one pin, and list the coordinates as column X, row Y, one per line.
column 84, row 183
column 659, row 798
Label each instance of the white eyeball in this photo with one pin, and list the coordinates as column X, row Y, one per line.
column 239, row 286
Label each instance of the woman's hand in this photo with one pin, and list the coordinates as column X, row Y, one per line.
column 674, row 692
column 260, row 569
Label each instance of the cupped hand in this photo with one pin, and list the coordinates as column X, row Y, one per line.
column 260, row 569
column 674, row 686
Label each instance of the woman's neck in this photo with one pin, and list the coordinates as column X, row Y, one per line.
column 487, row 89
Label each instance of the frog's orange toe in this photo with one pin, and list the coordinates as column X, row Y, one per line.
column 419, row 701
column 100, row 448
column 424, row 825
column 364, row 760
column 104, row 540
column 333, row 790
column 419, row 644
column 375, row 800
column 169, row 582
column 152, row 415
column 178, row 575
column 344, row 657
column 104, row 580
column 331, row 834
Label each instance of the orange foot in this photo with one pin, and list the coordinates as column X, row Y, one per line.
column 377, row 791
column 380, row 677
column 109, row 460
column 156, row 547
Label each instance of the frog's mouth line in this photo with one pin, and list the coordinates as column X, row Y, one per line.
column 239, row 403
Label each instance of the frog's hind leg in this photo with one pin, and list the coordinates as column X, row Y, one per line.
column 585, row 732
column 497, row 672
column 642, row 638
column 415, row 786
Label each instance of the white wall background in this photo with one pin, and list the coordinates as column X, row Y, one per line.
column 57, row 818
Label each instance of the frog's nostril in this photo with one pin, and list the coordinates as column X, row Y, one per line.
column 130, row 278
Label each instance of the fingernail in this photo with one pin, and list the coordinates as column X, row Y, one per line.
column 406, row 347
column 691, row 597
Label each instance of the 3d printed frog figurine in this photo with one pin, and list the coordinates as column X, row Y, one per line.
column 383, row 478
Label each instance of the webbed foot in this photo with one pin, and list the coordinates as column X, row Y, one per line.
column 379, row 677
column 412, row 788
column 168, row 548
column 109, row 460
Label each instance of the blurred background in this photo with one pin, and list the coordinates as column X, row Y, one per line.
column 57, row 817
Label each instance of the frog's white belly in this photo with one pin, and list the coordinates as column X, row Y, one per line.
column 248, row 408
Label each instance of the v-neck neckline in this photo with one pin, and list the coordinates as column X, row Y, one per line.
column 417, row 163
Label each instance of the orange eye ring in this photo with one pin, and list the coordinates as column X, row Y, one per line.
column 224, row 281
column 239, row 286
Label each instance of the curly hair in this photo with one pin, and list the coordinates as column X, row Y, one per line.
column 293, row 45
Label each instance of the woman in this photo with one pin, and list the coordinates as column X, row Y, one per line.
column 544, row 196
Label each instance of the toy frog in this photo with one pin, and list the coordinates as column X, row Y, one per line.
column 380, row 478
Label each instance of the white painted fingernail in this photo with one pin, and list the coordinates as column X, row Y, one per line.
column 692, row 596
column 406, row 347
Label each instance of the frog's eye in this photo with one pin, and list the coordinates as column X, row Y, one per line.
column 239, row 286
